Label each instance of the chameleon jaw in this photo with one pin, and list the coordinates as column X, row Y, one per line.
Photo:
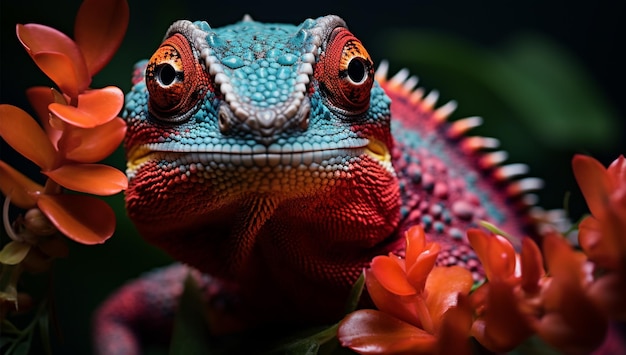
column 261, row 156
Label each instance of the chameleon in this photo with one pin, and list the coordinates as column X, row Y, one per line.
column 274, row 161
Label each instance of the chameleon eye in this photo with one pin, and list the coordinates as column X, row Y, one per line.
column 175, row 80
column 346, row 72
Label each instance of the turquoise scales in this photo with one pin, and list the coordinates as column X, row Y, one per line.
column 269, row 157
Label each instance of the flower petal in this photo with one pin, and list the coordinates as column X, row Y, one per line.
column 559, row 330
column 617, row 171
column 373, row 332
column 609, row 292
column 454, row 333
column 391, row 276
column 90, row 145
column 593, row 180
column 443, row 286
column 84, row 219
column 95, row 107
column 502, row 326
column 57, row 55
column 415, row 243
column 40, row 97
column 400, row 307
column 532, row 266
column 496, row 254
column 22, row 132
column 22, row 190
column 99, row 29
column 596, row 243
column 95, row 179
column 562, row 261
column 571, row 321
column 422, row 266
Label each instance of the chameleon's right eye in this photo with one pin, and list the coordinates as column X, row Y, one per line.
column 175, row 80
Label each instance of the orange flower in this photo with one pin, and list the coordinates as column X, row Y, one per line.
column 99, row 29
column 557, row 307
column 421, row 308
column 603, row 234
column 500, row 325
column 570, row 320
column 80, row 125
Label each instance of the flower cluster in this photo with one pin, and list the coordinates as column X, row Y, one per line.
column 78, row 127
column 421, row 307
column 564, row 296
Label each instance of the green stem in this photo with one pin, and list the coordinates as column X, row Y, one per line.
column 29, row 330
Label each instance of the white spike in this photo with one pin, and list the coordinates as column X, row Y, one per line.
column 461, row 126
column 490, row 143
column 400, row 77
column 382, row 70
column 471, row 122
column 494, row 158
column 416, row 96
column 411, row 83
column 247, row 18
column 443, row 112
column 530, row 199
column 510, row 170
column 431, row 99
column 478, row 143
column 525, row 185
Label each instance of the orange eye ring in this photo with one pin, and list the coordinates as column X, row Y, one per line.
column 346, row 72
column 176, row 81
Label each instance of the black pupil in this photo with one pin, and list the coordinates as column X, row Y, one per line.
column 356, row 70
column 167, row 74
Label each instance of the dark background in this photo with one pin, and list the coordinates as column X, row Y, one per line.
column 587, row 39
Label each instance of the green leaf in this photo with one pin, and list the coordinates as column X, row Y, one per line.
column 191, row 329
column 355, row 294
column 534, row 345
column 14, row 252
column 4, row 340
column 21, row 349
column 309, row 345
column 9, row 328
column 555, row 94
column 44, row 332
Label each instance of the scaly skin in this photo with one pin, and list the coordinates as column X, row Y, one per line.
column 269, row 157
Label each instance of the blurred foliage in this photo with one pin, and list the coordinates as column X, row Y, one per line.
column 535, row 95
column 531, row 76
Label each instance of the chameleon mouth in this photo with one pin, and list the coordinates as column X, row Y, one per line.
column 378, row 150
column 293, row 156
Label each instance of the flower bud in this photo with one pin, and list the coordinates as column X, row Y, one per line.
column 36, row 222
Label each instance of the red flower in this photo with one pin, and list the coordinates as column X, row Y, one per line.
column 555, row 306
column 603, row 234
column 500, row 324
column 421, row 308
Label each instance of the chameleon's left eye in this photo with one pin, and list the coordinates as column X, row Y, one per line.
column 175, row 80
column 346, row 72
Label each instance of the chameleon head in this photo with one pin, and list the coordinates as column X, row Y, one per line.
column 259, row 133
